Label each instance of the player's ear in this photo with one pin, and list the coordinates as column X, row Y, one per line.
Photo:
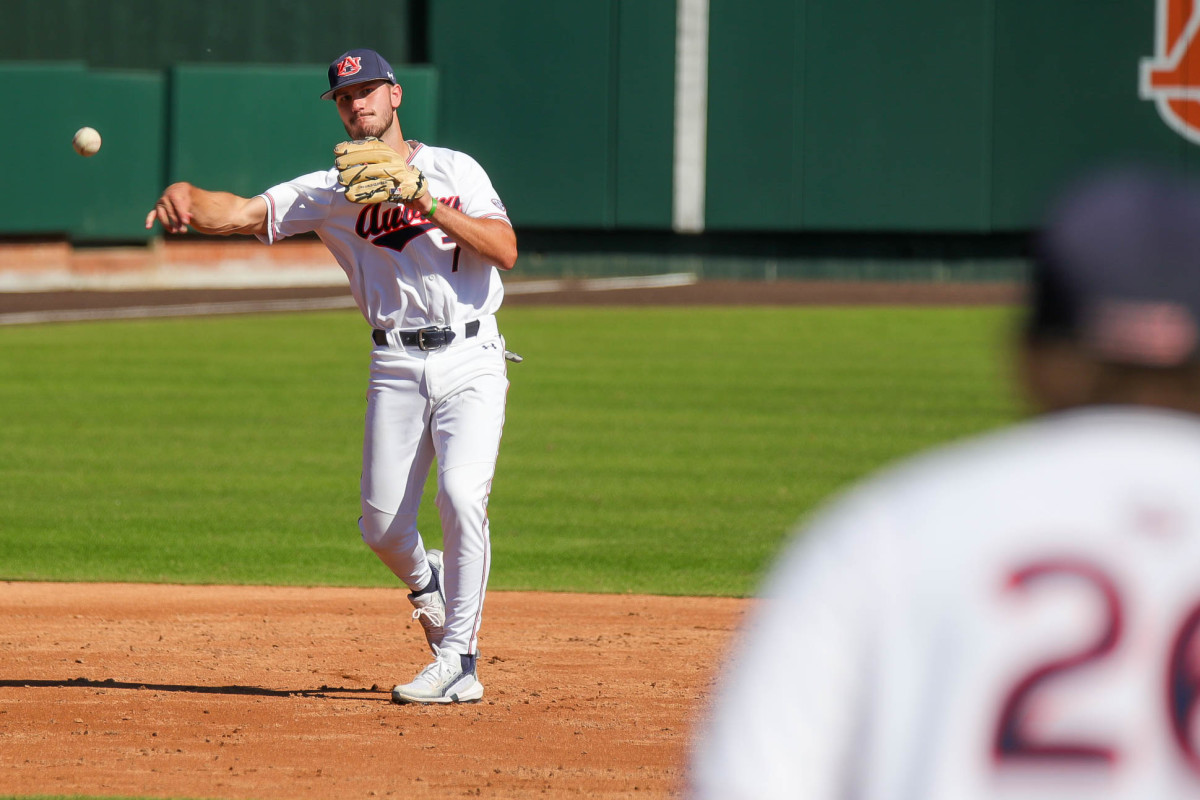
column 397, row 95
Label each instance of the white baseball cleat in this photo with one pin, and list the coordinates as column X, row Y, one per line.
column 430, row 608
column 443, row 681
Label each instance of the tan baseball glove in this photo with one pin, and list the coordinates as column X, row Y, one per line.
column 372, row 172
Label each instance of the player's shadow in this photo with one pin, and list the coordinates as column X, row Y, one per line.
column 327, row 692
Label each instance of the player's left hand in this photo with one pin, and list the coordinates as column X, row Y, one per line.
column 372, row 172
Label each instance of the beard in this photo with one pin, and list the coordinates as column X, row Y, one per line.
column 370, row 126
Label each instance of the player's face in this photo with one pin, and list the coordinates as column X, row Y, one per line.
column 367, row 109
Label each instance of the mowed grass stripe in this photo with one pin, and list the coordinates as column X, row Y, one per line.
column 661, row 450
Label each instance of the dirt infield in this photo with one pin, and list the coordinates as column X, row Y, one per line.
column 255, row 692
column 252, row 692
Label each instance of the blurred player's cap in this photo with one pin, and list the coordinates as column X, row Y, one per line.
column 357, row 66
column 1117, row 269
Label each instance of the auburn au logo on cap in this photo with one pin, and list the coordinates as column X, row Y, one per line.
column 1171, row 78
column 350, row 65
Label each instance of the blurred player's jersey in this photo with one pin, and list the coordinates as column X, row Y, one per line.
column 1013, row 617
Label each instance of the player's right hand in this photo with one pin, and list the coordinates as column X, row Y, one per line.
column 173, row 209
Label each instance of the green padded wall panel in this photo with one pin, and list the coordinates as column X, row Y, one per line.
column 126, row 176
column 104, row 197
column 897, row 115
column 645, row 117
column 244, row 129
column 756, row 110
column 849, row 116
column 569, row 107
column 151, row 34
column 527, row 89
column 1067, row 99
column 46, row 144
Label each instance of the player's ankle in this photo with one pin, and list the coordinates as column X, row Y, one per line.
column 432, row 586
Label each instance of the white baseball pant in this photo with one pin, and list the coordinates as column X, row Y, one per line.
column 449, row 404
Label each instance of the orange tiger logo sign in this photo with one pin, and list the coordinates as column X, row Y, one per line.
column 1171, row 78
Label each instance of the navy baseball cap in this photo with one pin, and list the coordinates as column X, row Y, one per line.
column 357, row 66
column 1117, row 269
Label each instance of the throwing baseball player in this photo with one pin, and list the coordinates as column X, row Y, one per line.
column 421, row 234
column 1016, row 616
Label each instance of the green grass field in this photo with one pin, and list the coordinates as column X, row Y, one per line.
column 663, row 450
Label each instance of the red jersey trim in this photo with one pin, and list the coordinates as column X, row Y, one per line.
column 272, row 215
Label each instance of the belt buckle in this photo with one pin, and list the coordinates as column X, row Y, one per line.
column 422, row 345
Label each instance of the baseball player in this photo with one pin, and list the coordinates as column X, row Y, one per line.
column 421, row 235
column 1016, row 616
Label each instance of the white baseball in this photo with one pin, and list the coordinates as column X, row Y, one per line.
column 86, row 141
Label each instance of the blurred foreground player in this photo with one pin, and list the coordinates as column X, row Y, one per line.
column 1017, row 616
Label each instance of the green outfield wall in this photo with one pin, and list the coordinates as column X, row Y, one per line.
column 244, row 129
column 928, row 117
column 157, row 34
column 568, row 105
column 52, row 191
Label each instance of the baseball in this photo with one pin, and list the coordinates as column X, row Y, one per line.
column 86, row 141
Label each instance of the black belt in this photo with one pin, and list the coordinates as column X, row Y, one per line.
column 430, row 338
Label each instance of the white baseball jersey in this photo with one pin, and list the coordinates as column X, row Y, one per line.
column 447, row 403
column 1013, row 617
column 437, row 282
